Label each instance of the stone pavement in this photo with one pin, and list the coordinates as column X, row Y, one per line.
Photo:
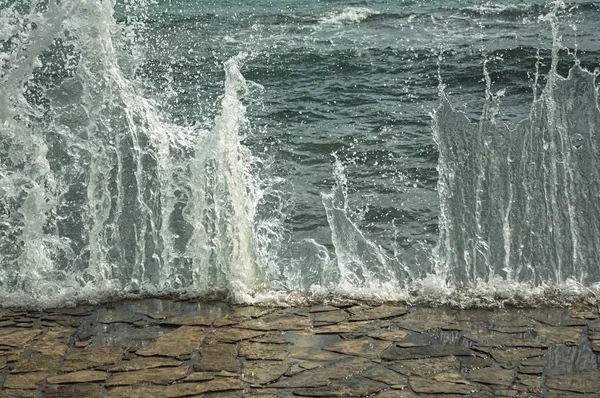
column 164, row 348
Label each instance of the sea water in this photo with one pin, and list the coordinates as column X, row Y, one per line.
column 425, row 151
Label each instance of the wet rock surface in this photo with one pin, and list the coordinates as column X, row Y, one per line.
column 165, row 348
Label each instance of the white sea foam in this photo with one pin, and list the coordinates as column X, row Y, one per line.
column 349, row 15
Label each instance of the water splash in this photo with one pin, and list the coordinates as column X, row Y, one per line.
column 99, row 193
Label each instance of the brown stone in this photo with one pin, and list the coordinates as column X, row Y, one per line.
column 560, row 335
column 425, row 366
column 195, row 320
column 381, row 312
column 363, row 327
column 313, row 354
column 352, row 387
column 511, row 319
column 271, row 338
column 86, row 358
column 73, row 391
column 180, row 342
column 263, row 372
column 325, row 374
column 496, row 339
column 199, row 376
column 323, row 318
column 582, row 382
column 531, row 370
column 18, row 393
column 251, row 350
column 145, row 363
column 276, row 323
column 388, row 334
column 322, row 308
column 54, row 342
column 25, row 381
column 232, row 335
column 529, row 383
column 82, row 376
column 219, row 384
column 441, row 383
column 365, row 347
column 510, row 357
column 136, row 392
column 398, row 353
column 422, row 322
column 397, row 394
column 217, row 357
column 384, row 375
column 588, row 315
column 160, row 376
column 502, row 377
column 473, row 362
column 20, row 338
column 34, row 362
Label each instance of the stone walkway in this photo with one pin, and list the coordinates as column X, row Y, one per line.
column 161, row 348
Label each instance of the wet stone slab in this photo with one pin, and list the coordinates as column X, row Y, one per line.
column 165, row 348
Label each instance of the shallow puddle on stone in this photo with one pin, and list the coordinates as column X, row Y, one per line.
column 123, row 334
column 159, row 308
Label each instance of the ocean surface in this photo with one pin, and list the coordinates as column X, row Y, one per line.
column 435, row 152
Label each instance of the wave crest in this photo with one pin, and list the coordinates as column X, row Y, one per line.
column 349, row 15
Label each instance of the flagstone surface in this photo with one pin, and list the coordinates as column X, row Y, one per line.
column 165, row 348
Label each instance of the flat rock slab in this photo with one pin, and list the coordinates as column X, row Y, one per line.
column 54, row 343
column 232, row 335
column 422, row 322
column 497, row 339
column 182, row 341
column 325, row 374
column 330, row 317
column 276, row 323
column 365, row 347
column 388, row 334
column 384, row 375
column 145, row 363
column 426, row 366
column 394, row 352
column 381, row 312
column 218, row 384
column 83, row 376
column 256, row 372
column 25, row 381
column 442, row 383
column 35, row 362
column 496, row 376
column 560, row 335
column 73, row 391
column 510, row 357
column 159, row 376
column 251, row 350
column 347, row 327
column 20, row 338
column 195, row 320
column 314, row 354
column 136, row 392
column 217, row 357
column 353, row 387
column 87, row 358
